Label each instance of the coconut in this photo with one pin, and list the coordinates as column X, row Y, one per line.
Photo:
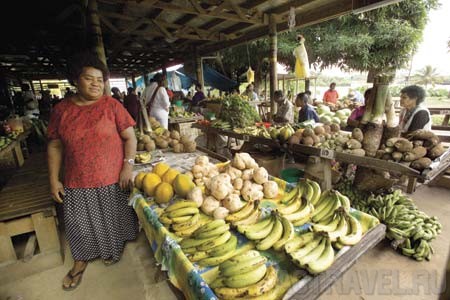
column 308, row 132
column 307, row 141
column 335, row 127
column 319, row 130
column 150, row 146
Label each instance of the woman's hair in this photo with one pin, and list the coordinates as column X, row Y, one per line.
column 198, row 85
column 304, row 97
column 367, row 93
column 414, row 91
column 158, row 78
column 83, row 60
column 130, row 89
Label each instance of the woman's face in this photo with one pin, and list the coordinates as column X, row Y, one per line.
column 406, row 101
column 90, row 84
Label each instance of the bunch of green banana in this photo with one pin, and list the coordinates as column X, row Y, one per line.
column 245, row 276
column 143, row 158
column 419, row 249
column 182, row 217
column 328, row 203
column 273, row 231
column 219, row 124
column 247, row 215
column 312, row 251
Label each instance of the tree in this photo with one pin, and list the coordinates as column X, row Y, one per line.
column 426, row 76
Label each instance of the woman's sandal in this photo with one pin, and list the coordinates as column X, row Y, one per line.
column 72, row 276
column 108, row 262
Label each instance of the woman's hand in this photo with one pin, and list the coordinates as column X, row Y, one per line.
column 57, row 191
column 126, row 179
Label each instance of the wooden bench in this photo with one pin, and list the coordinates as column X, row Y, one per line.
column 27, row 208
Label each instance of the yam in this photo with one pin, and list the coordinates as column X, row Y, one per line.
column 436, row 151
column 421, row 134
column 421, row 163
column 415, row 154
column 166, row 133
column 431, row 142
column 372, row 138
column 145, row 139
column 161, row 143
column 353, row 144
column 185, row 139
column 403, row 145
column 335, row 127
column 307, row 141
column 173, row 142
column 319, row 130
column 390, row 132
column 417, row 143
column 294, row 140
column 150, row 146
column 389, row 149
column 357, row 134
column 391, row 142
column 397, row 156
column 358, row 152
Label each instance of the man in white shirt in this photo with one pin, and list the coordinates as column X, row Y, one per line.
column 285, row 112
column 157, row 101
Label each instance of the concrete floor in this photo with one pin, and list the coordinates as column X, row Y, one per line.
column 379, row 274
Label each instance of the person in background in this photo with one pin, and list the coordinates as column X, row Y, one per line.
column 116, row 94
column 331, row 95
column 92, row 135
column 414, row 114
column 157, row 100
column 306, row 112
column 356, row 97
column 68, row 92
column 250, row 92
column 31, row 103
column 199, row 96
column 354, row 120
column 45, row 105
column 285, row 111
column 131, row 103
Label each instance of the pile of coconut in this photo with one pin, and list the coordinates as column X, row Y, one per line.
column 220, row 191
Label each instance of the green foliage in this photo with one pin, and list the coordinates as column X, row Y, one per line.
column 428, row 75
column 238, row 112
column 437, row 93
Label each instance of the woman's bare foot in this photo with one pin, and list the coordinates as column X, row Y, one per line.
column 73, row 277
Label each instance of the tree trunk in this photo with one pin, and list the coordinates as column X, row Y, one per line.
column 258, row 77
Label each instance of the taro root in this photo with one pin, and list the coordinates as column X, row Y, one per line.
column 421, row 164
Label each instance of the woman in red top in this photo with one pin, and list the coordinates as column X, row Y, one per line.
column 93, row 135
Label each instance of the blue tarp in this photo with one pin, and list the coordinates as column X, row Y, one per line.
column 212, row 78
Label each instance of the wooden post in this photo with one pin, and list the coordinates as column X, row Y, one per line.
column 40, row 84
column 273, row 62
column 145, row 76
column 133, row 81
column 307, row 84
column 199, row 69
column 96, row 32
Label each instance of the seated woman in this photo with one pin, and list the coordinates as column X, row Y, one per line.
column 306, row 112
column 355, row 117
column 198, row 98
column 414, row 114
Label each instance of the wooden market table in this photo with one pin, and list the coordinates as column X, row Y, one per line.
column 12, row 156
column 184, row 125
column 308, row 287
column 26, row 207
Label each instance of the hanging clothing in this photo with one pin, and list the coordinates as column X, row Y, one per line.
column 417, row 118
column 301, row 60
column 175, row 82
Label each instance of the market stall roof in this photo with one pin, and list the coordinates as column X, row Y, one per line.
column 143, row 35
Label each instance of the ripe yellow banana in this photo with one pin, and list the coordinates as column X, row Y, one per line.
column 266, row 284
column 327, row 226
column 273, row 237
column 181, row 219
column 355, row 232
column 180, row 204
column 240, row 258
column 255, row 227
column 313, row 254
column 217, row 260
column 198, row 256
column 250, row 219
column 262, row 233
column 345, row 202
column 305, row 210
column 242, row 213
column 329, row 209
column 165, row 220
column 230, row 245
column 244, row 267
column 215, row 232
column 324, row 261
column 183, row 212
column 210, row 226
column 193, row 221
column 298, row 241
column 288, row 233
column 341, row 229
column 188, row 232
column 220, row 240
column 192, row 242
column 301, row 222
column 290, row 208
column 246, row 279
column 316, row 191
column 299, row 253
column 292, row 194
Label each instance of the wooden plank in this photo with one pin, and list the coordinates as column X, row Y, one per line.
column 320, row 283
column 30, row 248
column 212, row 154
column 7, row 252
column 326, row 184
column 19, row 226
column 24, row 212
column 46, row 232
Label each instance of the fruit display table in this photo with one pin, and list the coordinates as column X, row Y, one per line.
column 192, row 280
column 11, row 156
column 184, row 125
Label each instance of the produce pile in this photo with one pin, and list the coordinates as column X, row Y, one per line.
column 327, row 117
column 238, row 112
column 228, row 215
column 418, row 150
column 162, row 138
column 410, row 229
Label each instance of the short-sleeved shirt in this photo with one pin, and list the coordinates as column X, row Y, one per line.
column 357, row 113
column 307, row 113
column 330, row 96
column 93, row 148
column 286, row 111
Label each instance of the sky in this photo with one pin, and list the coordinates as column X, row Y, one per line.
column 433, row 49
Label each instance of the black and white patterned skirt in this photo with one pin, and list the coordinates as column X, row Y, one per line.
column 98, row 222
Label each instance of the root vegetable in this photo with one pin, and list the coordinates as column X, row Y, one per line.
column 341, row 139
column 173, row 142
column 196, row 195
column 261, row 175
column 417, row 143
column 422, row 134
column 238, row 162
column 316, row 139
column 307, row 141
column 293, row 140
column 199, row 181
column 270, row 189
column 389, row 149
column 220, row 213
column 353, row 144
column 202, row 160
column 233, row 172
column 421, row 163
column 198, row 169
column 209, row 205
column 251, row 193
column 319, row 130
column 403, row 145
column 372, row 138
column 431, row 142
column 380, row 153
column 189, row 173
column 436, row 151
column 233, row 202
column 238, row 183
column 391, row 142
column 358, row 152
column 397, row 156
column 415, row 154
column 387, row 156
column 250, row 162
column 178, row 148
column 221, row 186
column 175, row 135
column 150, row 146
column 190, row 147
column 308, row 132
column 357, row 134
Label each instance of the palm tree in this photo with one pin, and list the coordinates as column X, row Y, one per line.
column 426, row 76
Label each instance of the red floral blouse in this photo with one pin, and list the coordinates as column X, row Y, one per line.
column 93, row 149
